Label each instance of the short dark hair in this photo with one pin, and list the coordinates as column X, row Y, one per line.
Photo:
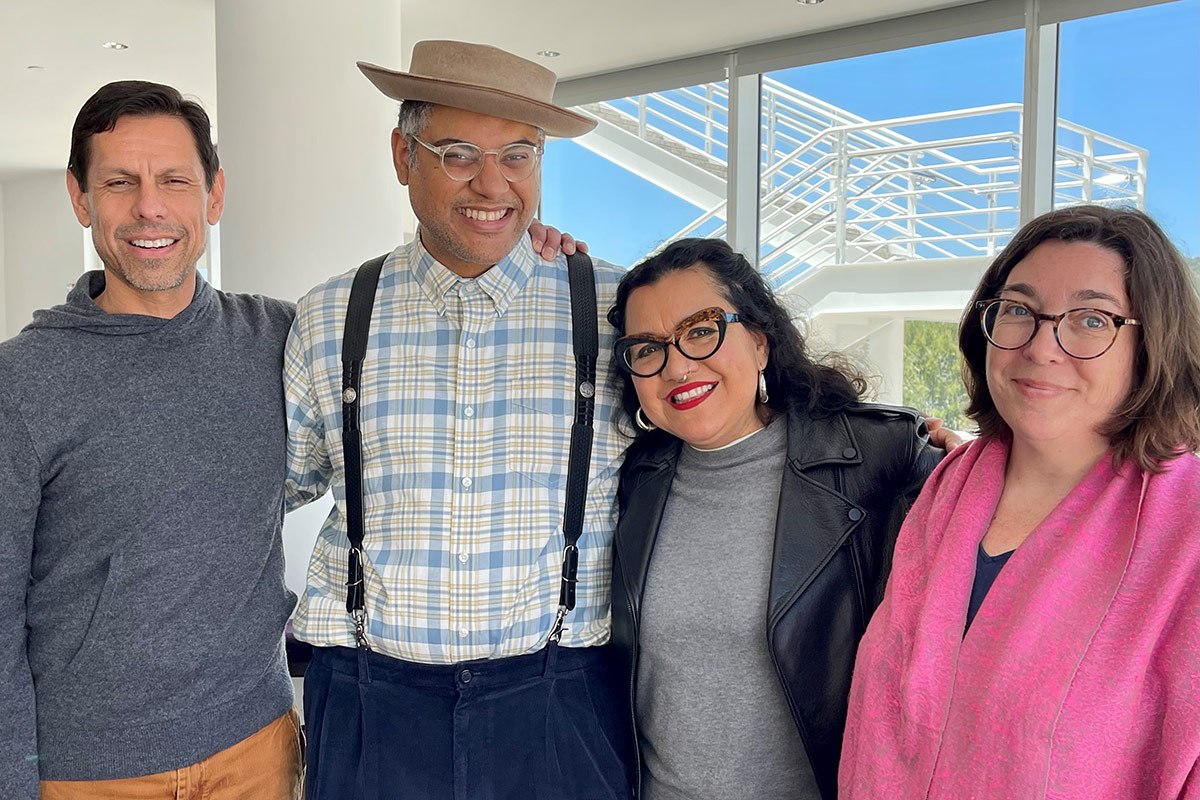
column 138, row 99
column 795, row 381
column 1160, row 419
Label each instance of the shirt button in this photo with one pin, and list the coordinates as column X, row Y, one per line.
column 855, row 514
column 465, row 676
column 468, row 412
column 470, row 344
column 463, row 558
column 463, row 632
column 466, row 482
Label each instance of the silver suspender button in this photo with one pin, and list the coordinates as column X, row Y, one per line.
column 586, row 389
column 349, row 395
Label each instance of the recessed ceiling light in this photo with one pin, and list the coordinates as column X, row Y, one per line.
column 35, row 67
column 810, row 2
column 549, row 53
column 116, row 46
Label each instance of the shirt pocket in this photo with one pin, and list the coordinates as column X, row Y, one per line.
column 539, row 441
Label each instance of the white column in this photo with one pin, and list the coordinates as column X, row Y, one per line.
column 745, row 137
column 305, row 141
column 1039, row 122
column 885, row 346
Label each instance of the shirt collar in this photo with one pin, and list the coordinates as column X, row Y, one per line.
column 501, row 284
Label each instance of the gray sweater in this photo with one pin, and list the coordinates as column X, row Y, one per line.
column 142, row 598
column 713, row 719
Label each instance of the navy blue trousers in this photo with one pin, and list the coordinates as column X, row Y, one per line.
column 543, row 726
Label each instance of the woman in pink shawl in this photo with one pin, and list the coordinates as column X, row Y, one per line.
column 1040, row 633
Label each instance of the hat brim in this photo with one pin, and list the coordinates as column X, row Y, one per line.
column 555, row 121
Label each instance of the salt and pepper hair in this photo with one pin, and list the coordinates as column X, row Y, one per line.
column 413, row 120
column 1160, row 419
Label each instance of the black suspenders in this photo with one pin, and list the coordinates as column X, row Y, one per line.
column 354, row 349
column 585, row 341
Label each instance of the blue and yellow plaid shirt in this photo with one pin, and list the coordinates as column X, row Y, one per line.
column 467, row 402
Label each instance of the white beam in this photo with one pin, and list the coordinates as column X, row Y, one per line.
column 745, row 135
column 1039, row 120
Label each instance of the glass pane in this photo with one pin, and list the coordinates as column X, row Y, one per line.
column 652, row 171
column 933, row 371
column 911, row 154
column 1129, row 115
column 889, row 182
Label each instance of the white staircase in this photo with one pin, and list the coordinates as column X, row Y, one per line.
column 839, row 189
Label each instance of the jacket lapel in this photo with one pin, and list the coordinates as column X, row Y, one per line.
column 813, row 520
column 650, row 475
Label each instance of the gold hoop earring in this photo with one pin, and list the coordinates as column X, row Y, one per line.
column 640, row 420
column 762, row 388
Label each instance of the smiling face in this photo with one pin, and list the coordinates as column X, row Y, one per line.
column 1046, row 397
column 707, row 403
column 147, row 205
column 468, row 226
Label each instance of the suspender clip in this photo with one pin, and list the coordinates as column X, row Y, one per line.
column 360, row 628
column 557, row 631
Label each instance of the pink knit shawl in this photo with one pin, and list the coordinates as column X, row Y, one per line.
column 1080, row 675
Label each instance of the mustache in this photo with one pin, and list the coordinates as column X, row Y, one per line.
column 134, row 229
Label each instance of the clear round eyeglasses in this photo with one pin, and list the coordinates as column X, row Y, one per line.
column 462, row 161
column 697, row 337
column 1082, row 333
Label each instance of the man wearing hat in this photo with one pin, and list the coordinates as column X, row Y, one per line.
column 454, row 680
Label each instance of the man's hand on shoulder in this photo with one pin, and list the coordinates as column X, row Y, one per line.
column 548, row 240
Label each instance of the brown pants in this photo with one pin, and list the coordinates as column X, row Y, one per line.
column 264, row 766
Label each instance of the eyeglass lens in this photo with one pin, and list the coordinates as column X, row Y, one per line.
column 463, row 162
column 1082, row 332
column 697, row 337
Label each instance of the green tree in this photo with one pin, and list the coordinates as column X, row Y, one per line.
column 932, row 375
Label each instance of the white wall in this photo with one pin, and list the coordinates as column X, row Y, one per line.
column 305, row 140
column 3, row 283
column 43, row 246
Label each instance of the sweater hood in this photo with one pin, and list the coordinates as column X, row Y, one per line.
column 81, row 312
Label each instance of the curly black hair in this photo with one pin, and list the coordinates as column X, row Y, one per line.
column 795, row 381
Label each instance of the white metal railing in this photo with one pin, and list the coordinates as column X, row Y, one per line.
column 837, row 188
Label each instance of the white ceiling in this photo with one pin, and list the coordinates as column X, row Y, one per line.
column 173, row 41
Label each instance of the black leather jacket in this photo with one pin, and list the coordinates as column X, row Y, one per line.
column 850, row 479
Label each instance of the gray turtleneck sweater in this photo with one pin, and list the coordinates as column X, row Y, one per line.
column 714, row 722
column 142, row 598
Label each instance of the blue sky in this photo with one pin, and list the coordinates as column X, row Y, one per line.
column 1134, row 75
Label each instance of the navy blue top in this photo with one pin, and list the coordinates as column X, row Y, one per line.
column 986, row 569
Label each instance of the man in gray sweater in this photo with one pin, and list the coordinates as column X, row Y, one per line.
column 142, row 598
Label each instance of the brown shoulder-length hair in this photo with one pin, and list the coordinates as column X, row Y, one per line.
column 1160, row 419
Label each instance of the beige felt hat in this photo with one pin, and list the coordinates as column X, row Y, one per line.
column 483, row 79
